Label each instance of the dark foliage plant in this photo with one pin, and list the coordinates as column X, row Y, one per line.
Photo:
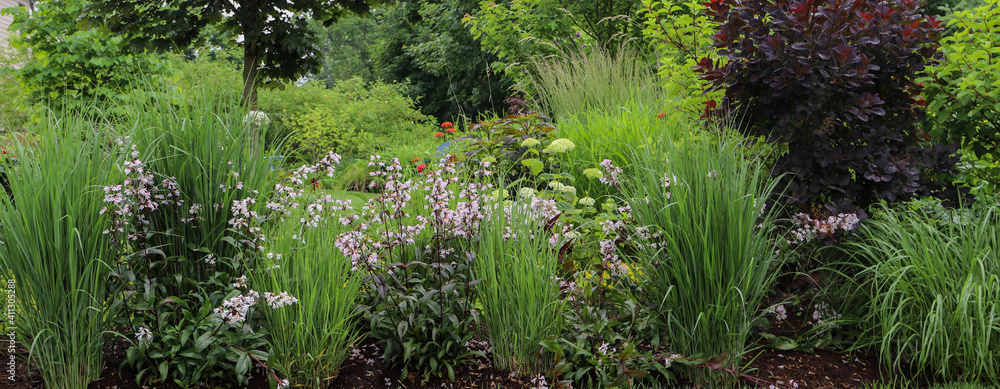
column 834, row 81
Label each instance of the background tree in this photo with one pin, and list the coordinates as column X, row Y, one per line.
column 348, row 48
column 425, row 46
column 523, row 31
column 275, row 35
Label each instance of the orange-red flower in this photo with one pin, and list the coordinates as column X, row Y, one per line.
column 421, row 167
column 450, row 130
column 661, row 115
column 438, row 134
column 415, row 160
column 446, row 125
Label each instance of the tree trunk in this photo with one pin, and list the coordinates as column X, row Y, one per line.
column 251, row 64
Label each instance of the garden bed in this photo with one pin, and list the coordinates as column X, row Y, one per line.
column 820, row 369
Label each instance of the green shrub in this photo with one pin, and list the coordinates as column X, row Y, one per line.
column 928, row 290
column 55, row 255
column 681, row 33
column 321, row 130
column 523, row 31
column 962, row 95
column 15, row 108
column 424, row 46
column 352, row 118
column 72, row 64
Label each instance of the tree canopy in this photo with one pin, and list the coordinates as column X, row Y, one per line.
column 276, row 39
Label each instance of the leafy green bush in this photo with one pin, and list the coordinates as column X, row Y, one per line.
column 841, row 99
column 424, row 46
column 180, row 337
column 319, row 120
column 962, row 94
column 72, row 64
column 55, row 255
column 515, row 143
column 16, row 108
column 320, row 130
column 929, row 289
column 681, row 33
column 518, row 31
column 521, row 32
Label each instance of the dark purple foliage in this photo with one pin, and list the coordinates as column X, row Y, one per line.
column 834, row 80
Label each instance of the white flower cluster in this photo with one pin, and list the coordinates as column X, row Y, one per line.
column 823, row 312
column 256, row 119
column 144, row 335
column 291, row 190
column 131, row 203
column 780, row 314
column 282, row 299
column 811, row 228
column 234, row 311
column 610, row 174
column 539, row 382
column 609, row 251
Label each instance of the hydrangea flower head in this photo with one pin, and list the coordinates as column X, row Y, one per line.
column 560, row 145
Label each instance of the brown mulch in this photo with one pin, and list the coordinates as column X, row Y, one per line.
column 820, row 369
column 365, row 369
column 815, row 368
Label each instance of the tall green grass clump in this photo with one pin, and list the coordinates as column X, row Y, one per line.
column 214, row 151
column 310, row 339
column 708, row 252
column 577, row 82
column 519, row 292
column 932, row 295
column 189, row 221
column 54, row 250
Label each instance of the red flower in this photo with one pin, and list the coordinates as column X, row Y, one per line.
column 446, row 125
column 450, row 130
column 415, row 160
column 421, row 167
column 661, row 115
column 438, row 134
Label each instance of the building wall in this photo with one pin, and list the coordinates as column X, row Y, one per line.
column 5, row 19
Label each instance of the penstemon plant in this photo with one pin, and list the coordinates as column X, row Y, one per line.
column 190, row 224
column 420, row 283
